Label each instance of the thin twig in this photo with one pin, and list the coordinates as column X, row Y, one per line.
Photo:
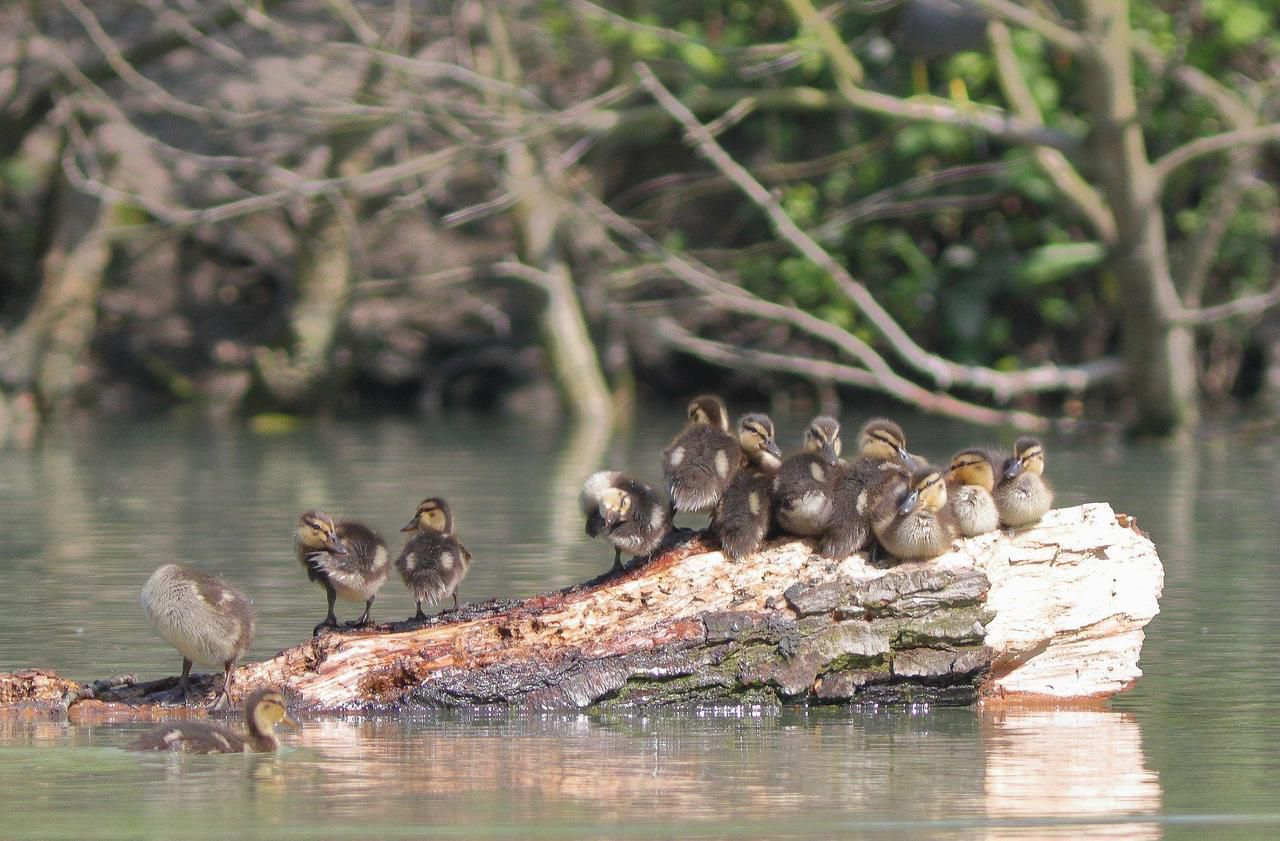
column 1248, row 305
column 1052, row 31
column 1201, row 146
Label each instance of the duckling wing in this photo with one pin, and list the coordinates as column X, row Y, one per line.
column 698, row 467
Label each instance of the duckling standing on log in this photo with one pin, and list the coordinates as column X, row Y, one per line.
column 1023, row 496
column 911, row 518
column 742, row 517
column 970, row 480
column 802, row 490
column 882, row 457
column 263, row 710
column 432, row 562
column 207, row 620
column 625, row 511
column 348, row 559
column 699, row 464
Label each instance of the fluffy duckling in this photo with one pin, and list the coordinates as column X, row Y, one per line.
column 912, row 520
column 1023, row 496
column 971, row 478
column 432, row 562
column 627, row 512
column 802, row 490
column 263, row 710
column 882, row 457
column 207, row 620
column 700, row 462
column 742, row 517
column 348, row 559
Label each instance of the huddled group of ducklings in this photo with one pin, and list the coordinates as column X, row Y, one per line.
column 885, row 498
column 212, row 623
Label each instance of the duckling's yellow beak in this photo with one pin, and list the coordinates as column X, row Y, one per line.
column 412, row 525
column 908, row 459
column 1012, row 468
column 828, row 453
column 335, row 545
column 909, row 503
column 771, row 447
column 289, row 722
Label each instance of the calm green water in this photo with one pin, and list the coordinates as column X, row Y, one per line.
column 1193, row 751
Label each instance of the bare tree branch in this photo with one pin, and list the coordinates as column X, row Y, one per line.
column 1079, row 193
column 1052, row 31
column 825, row 371
column 943, row 372
column 728, row 297
column 1248, row 305
column 993, row 121
column 1202, row 146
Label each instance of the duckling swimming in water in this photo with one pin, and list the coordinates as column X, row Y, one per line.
column 348, row 559
column 802, row 490
column 627, row 512
column 699, row 464
column 971, row 478
column 882, row 457
column 432, row 562
column 263, row 710
column 207, row 620
column 1022, row 495
column 742, row 517
column 912, row 520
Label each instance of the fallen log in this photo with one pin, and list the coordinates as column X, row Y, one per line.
column 1053, row 613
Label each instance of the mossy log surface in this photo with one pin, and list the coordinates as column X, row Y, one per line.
column 1053, row 612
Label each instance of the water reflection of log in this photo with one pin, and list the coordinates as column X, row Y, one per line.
column 1054, row 611
column 1069, row 773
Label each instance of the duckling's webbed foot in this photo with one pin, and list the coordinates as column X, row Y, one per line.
column 419, row 616
column 364, row 619
column 330, row 623
column 180, row 693
column 617, row 560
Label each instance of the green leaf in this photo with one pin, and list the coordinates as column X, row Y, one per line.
column 1051, row 263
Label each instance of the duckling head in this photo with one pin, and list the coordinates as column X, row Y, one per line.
column 1028, row 455
column 823, row 437
column 615, row 506
column 883, row 439
column 433, row 514
column 972, row 467
column 710, row 410
column 755, row 434
column 927, row 488
column 316, row 531
column 264, row 709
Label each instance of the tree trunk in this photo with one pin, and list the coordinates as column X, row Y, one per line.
column 1160, row 352
column 1052, row 613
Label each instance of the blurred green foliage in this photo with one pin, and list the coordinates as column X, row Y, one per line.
column 991, row 267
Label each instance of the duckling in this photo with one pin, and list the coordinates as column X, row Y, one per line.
column 970, row 481
column 207, row 620
column 627, row 512
column 882, row 457
column 1023, row 496
column 263, row 710
column 699, row 463
column 742, row 517
column 432, row 562
column 911, row 519
column 802, row 490
column 348, row 559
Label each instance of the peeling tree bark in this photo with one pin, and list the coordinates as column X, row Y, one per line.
column 1051, row 613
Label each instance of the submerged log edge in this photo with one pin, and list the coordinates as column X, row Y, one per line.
column 1054, row 614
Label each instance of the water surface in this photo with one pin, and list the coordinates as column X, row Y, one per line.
column 1192, row 751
